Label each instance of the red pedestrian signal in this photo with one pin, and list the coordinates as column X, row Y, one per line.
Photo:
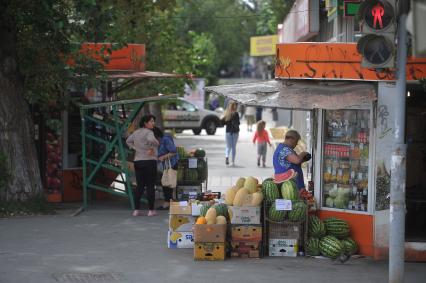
column 377, row 45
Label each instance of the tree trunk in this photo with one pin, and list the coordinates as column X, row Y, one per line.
column 16, row 139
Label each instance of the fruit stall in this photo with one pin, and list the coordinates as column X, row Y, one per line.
column 349, row 117
column 254, row 220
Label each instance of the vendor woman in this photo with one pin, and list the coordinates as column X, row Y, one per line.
column 285, row 158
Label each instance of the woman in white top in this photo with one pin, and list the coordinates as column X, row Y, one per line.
column 145, row 145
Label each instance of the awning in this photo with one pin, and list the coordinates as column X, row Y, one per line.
column 301, row 94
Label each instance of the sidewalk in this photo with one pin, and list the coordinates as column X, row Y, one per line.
column 106, row 244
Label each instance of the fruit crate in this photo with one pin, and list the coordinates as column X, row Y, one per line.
column 283, row 229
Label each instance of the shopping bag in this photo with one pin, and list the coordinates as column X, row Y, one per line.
column 169, row 178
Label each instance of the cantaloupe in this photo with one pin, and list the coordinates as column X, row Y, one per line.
column 240, row 196
column 240, row 183
column 211, row 216
column 201, row 220
column 257, row 199
column 220, row 219
column 251, row 184
column 230, row 195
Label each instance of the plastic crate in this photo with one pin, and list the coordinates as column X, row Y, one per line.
column 285, row 229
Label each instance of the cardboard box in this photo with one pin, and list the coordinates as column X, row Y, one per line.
column 248, row 233
column 181, row 223
column 180, row 240
column 180, row 207
column 209, row 251
column 244, row 215
column 285, row 230
column 245, row 249
column 283, row 247
column 210, row 233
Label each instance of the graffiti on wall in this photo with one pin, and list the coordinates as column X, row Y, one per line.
column 334, row 61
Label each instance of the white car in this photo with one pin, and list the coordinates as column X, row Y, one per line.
column 180, row 114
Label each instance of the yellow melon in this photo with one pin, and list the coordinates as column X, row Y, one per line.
column 240, row 196
column 251, row 184
column 220, row 219
column 257, row 199
column 230, row 195
column 211, row 215
column 240, row 183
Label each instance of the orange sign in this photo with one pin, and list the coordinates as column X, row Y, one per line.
column 130, row 58
column 335, row 61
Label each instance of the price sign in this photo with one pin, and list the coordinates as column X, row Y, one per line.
column 192, row 163
column 183, row 203
column 283, row 204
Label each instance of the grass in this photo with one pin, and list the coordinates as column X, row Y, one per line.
column 33, row 206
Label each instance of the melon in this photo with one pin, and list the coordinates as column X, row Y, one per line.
column 248, row 199
column 220, row 219
column 240, row 197
column 251, row 184
column 257, row 199
column 211, row 216
column 230, row 195
column 289, row 190
column 240, row 183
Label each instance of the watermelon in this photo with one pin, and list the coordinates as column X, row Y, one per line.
column 204, row 208
column 191, row 175
column 331, row 247
column 316, row 227
column 336, row 227
column 199, row 152
column 270, row 190
column 286, row 176
column 221, row 209
column 181, row 152
column 312, row 247
column 276, row 215
column 289, row 190
column 298, row 212
column 202, row 169
column 350, row 247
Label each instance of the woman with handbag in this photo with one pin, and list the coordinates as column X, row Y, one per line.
column 167, row 154
column 145, row 145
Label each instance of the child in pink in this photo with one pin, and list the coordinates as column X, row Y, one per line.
column 262, row 138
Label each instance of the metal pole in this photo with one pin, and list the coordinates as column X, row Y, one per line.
column 397, row 193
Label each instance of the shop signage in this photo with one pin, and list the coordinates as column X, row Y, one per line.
column 302, row 22
column 129, row 58
column 350, row 8
column 335, row 61
column 263, row 45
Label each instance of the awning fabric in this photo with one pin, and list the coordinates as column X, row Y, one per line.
column 301, row 94
column 145, row 74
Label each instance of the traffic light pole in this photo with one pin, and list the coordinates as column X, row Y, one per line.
column 397, row 193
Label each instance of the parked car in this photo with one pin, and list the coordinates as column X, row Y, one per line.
column 180, row 114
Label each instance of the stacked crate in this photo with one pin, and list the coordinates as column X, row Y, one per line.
column 246, row 231
column 283, row 238
column 210, row 241
column 181, row 219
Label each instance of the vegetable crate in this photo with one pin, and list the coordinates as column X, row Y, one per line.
column 284, row 225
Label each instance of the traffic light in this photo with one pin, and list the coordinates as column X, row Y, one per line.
column 377, row 45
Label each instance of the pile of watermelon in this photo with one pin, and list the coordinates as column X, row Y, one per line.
column 329, row 238
column 287, row 190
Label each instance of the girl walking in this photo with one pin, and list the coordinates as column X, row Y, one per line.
column 231, row 120
column 262, row 138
